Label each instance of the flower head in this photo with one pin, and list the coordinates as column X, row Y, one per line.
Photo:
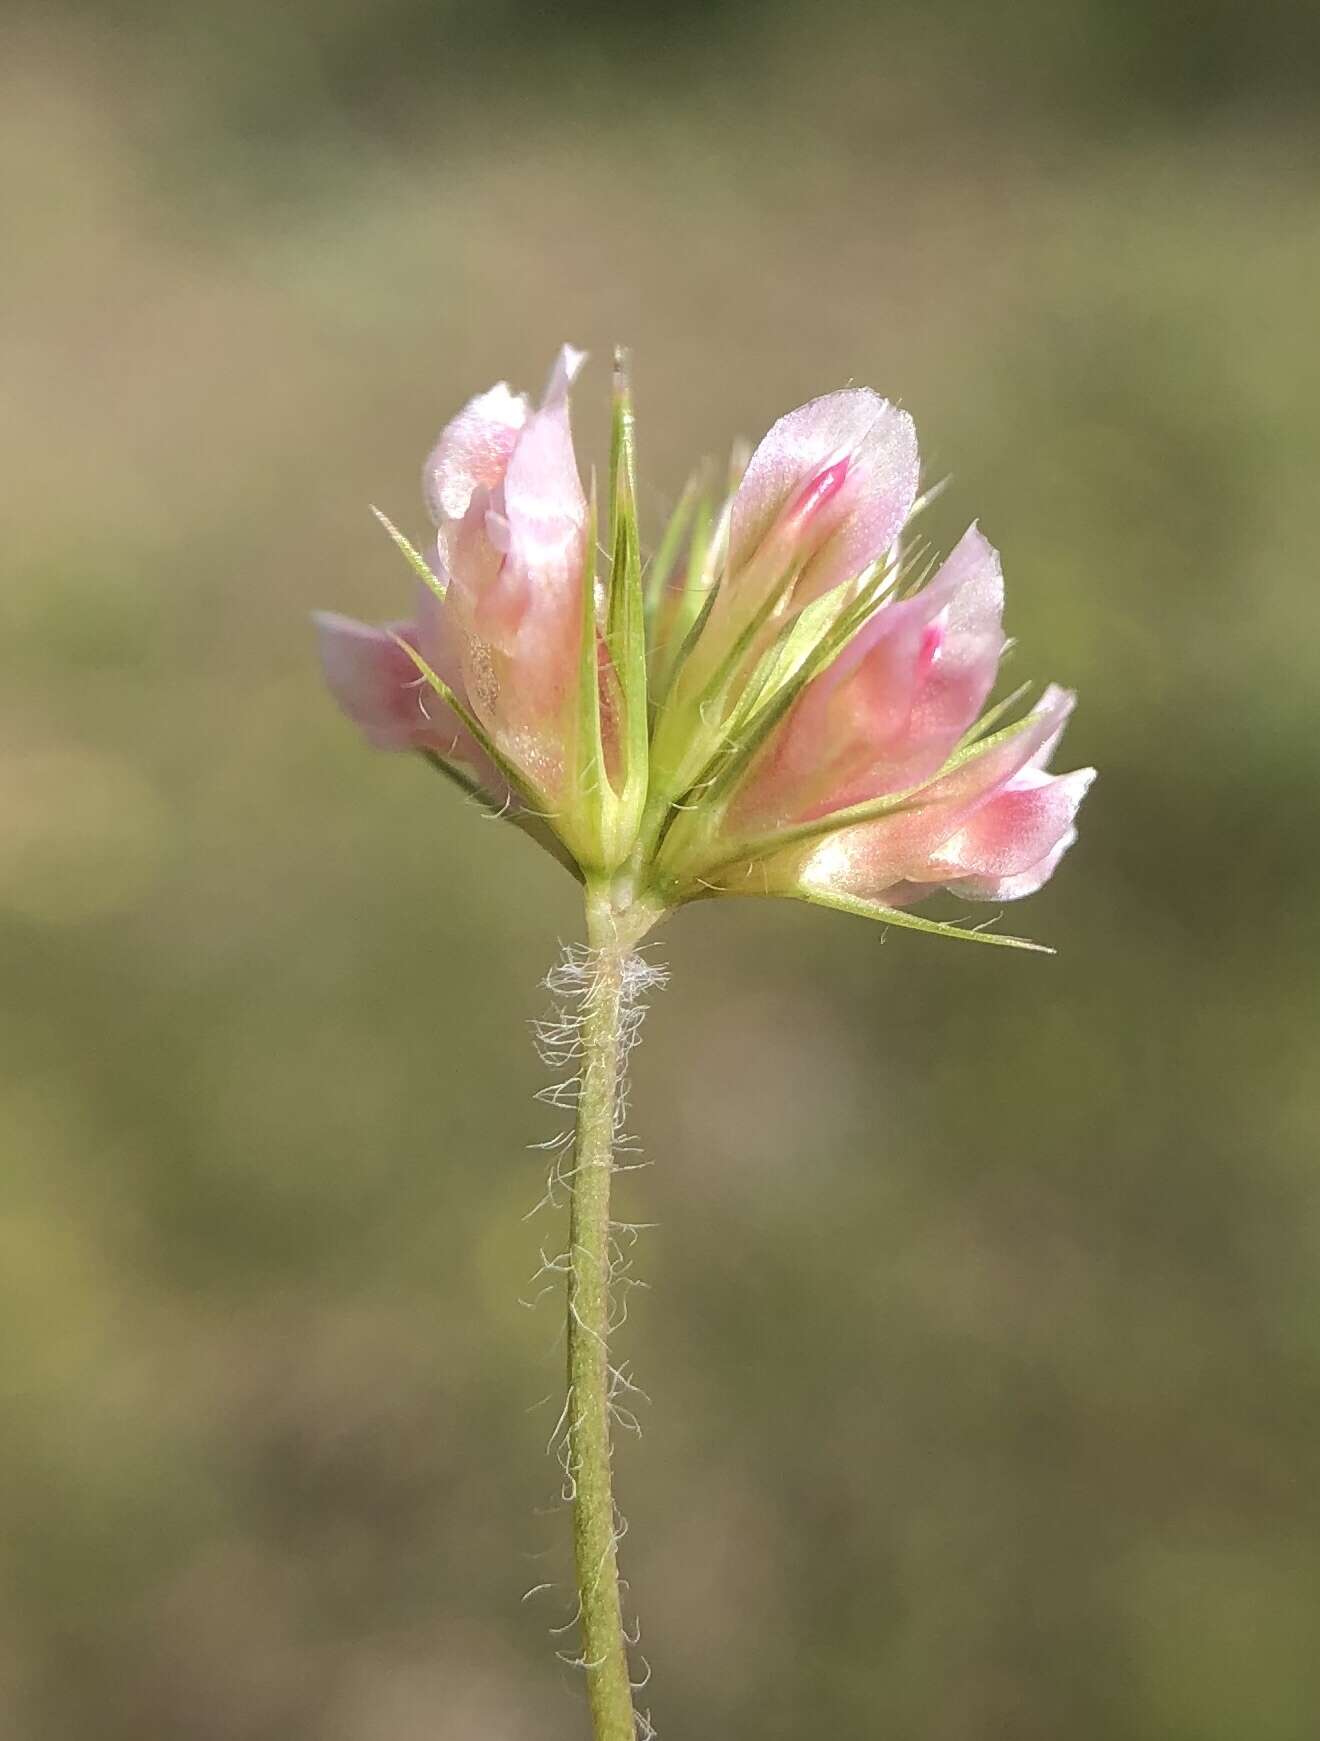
column 779, row 706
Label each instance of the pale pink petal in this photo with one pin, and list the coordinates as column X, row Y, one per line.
column 1013, row 888
column 380, row 689
column 373, row 679
column 825, row 754
column 889, row 711
column 489, row 595
column 517, row 556
column 969, row 586
column 924, row 667
column 833, row 482
column 472, row 451
column 976, row 778
column 870, row 857
column 543, row 500
column 1014, row 830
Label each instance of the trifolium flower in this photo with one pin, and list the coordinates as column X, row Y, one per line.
column 788, row 699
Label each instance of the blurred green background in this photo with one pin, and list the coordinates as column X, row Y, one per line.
column 984, row 1322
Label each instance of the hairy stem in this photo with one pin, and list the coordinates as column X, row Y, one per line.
column 611, row 934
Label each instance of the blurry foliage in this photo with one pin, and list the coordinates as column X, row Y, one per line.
column 983, row 1330
column 283, row 68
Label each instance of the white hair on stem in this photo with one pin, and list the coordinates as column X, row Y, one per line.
column 573, row 984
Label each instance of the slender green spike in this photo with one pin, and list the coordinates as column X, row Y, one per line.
column 991, row 717
column 795, row 655
column 969, row 750
column 416, row 560
column 691, row 729
column 871, row 810
column 927, row 496
column 716, row 687
column 805, row 833
column 591, row 782
column 625, row 549
column 625, row 614
column 689, row 610
column 804, row 648
column 467, row 782
column 914, row 922
column 662, row 564
column 534, row 827
column 517, row 781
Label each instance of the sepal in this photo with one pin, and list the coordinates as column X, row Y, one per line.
column 625, row 621
column 913, row 921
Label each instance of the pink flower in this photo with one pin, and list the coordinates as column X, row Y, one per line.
column 772, row 709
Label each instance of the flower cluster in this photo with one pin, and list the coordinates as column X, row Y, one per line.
column 785, row 700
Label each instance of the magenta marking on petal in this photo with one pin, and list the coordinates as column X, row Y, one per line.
column 793, row 451
column 816, row 493
column 931, row 641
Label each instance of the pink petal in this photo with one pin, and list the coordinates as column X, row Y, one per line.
column 373, row 679
column 543, row 499
column 825, row 754
column 1013, row 888
column 893, row 706
column 868, row 858
column 517, row 558
column 1015, row 830
column 977, row 778
column 924, row 667
column 970, row 587
column 865, row 450
column 380, row 689
column 472, row 451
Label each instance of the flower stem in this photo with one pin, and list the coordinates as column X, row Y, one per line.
column 611, row 934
